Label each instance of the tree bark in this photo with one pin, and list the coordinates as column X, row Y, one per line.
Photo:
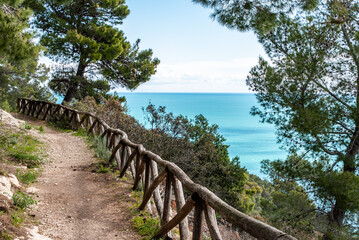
column 74, row 84
column 337, row 214
column 70, row 94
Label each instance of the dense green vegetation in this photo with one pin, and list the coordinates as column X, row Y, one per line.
column 20, row 73
column 309, row 89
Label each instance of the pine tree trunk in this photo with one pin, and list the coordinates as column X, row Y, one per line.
column 337, row 215
column 72, row 91
column 335, row 218
column 70, row 94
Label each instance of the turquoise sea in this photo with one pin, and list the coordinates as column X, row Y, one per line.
column 249, row 139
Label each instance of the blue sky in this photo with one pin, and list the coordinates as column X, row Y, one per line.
column 197, row 54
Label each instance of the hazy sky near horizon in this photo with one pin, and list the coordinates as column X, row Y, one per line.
column 197, row 54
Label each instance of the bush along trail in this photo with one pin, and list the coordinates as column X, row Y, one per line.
column 70, row 198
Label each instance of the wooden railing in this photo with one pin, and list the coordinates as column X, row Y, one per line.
column 144, row 167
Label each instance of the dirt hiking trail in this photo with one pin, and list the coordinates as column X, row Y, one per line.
column 74, row 202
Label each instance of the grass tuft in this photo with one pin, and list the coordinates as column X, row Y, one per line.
column 23, row 149
column 101, row 152
column 27, row 177
column 5, row 236
column 31, row 161
column 146, row 226
column 81, row 133
column 102, row 169
column 17, row 217
column 22, row 201
column 100, row 149
column 41, row 129
column 27, row 126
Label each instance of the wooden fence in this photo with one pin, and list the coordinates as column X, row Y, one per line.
column 144, row 167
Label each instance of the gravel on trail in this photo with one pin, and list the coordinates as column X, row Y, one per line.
column 73, row 201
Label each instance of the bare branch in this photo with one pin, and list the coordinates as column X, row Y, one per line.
column 325, row 149
column 344, row 126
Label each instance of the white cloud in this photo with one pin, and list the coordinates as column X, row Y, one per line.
column 197, row 76
column 201, row 76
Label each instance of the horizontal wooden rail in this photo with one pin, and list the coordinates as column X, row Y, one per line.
column 143, row 165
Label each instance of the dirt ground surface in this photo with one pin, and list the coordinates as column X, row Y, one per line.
column 74, row 202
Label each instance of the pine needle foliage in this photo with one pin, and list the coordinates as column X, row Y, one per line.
column 92, row 52
column 308, row 88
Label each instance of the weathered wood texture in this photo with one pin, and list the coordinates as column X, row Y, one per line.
column 143, row 165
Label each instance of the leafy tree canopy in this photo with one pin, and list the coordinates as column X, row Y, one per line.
column 289, row 208
column 20, row 74
column 27, row 81
column 309, row 88
column 85, row 36
column 15, row 39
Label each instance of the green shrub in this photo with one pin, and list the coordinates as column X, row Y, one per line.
column 146, row 226
column 99, row 146
column 31, row 161
column 81, row 133
column 27, row 177
column 61, row 123
column 102, row 169
column 27, row 126
column 22, row 201
column 5, row 106
column 17, row 217
column 41, row 129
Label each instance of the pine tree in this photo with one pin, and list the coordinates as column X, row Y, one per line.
column 20, row 75
column 15, row 41
column 310, row 90
column 94, row 54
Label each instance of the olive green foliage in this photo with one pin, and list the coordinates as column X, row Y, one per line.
column 309, row 89
column 98, row 144
column 22, row 201
column 61, row 123
column 195, row 146
column 20, row 74
column 198, row 148
column 19, row 148
column 15, row 42
column 17, row 217
column 290, row 209
column 83, row 36
column 146, row 226
column 41, row 129
column 102, row 153
column 326, row 186
column 285, row 205
column 27, row 177
column 26, row 80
